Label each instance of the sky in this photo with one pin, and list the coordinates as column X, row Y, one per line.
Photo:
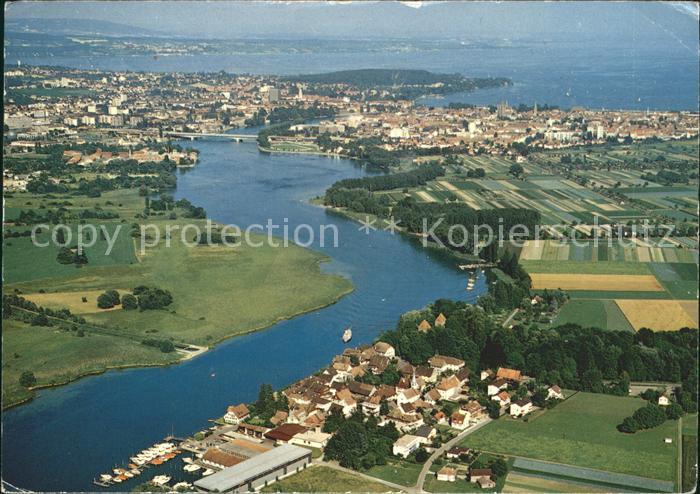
column 676, row 22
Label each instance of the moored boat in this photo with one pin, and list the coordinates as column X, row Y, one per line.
column 347, row 334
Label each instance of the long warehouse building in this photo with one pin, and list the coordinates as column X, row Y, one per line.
column 257, row 471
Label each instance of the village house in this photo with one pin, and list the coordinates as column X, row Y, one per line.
column 424, row 326
column 474, row 409
column 511, row 375
column 443, row 363
column 520, row 408
column 496, row 386
column 459, row 420
column 457, row 451
column 440, row 320
column 447, row 474
column 664, row 401
column 554, row 392
column 236, row 414
column 448, row 387
column 427, row 432
column 284, row 433
column 312, row 438
column 344, row 399
column 408, row 395
column 385, row 349
column 482, row 477
column 405, row 445
column 440, row 418
column 432, row 396
column 502, row 398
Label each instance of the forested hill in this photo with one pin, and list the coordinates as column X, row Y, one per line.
column 373, row 78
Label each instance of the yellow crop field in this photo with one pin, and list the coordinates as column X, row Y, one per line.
column 425, row 196
column 659, row 315
column 597, row 282
column 72, row 301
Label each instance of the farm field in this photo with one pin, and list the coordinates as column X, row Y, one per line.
column 318, row 478
column 659, row 315
column 617, row 282
column 581, row 431
column 602, row 253
column 604, row 314
column 57, row 357
column 521, row 482
column 432, row 484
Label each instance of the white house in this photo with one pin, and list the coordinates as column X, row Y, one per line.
column 236, row 414
column 448, row 387
column 405, row 445
column 446, row 474
column 459, row 420
column 555, row 392
column 496, row 386
column 520, row 408
column 664, row 401
column 443, row 363
column 314, row 439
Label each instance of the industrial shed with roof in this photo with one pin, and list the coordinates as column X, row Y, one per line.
column 257, row 471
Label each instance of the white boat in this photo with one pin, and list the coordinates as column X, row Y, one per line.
column 191, row 468
column 187, row 460
column 206, row 472
column 160, row 479
column 105, row 477
column 116, row 479
column 347, row 335
column 135, row 471
column 183, row 485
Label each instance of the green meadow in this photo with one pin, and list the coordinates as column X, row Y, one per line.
column 581, row 431
column 218, row 291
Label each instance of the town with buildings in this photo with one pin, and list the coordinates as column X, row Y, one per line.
column 132, row 108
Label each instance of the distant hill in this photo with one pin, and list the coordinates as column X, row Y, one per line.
column 77, row 27
column 409, row 82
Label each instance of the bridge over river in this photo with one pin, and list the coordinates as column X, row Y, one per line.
column 203, row 135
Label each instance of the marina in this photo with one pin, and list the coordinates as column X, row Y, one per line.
column 156, row 455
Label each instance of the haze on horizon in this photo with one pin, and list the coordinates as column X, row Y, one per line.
column 673, row 24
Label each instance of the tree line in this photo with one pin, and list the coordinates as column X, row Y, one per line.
column 571, row 356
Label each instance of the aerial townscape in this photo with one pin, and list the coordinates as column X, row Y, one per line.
column 256, row 263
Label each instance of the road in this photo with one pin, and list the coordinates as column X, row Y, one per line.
column 418, row 488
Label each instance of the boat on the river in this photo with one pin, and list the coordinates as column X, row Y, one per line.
column 347, row 334
column 191, row 468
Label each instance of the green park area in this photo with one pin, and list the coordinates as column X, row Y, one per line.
column 217, row 291
column 582, row 431
column 319, row 478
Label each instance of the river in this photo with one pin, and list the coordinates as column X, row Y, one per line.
column 68, row 435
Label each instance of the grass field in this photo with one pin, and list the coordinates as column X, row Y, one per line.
column 218, row 291
column 659, row 315
column 604, row 314
column 57, row 357
column 398, row 472
column 432, row 484
column 619, row 282
column 586, row 267
column 689, row 463
column 319, row 478
column 520, row 482
column 581, row 431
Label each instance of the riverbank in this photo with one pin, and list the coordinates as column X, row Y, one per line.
column 218, row 293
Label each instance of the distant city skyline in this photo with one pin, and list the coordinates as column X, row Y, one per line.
column 673, row 22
